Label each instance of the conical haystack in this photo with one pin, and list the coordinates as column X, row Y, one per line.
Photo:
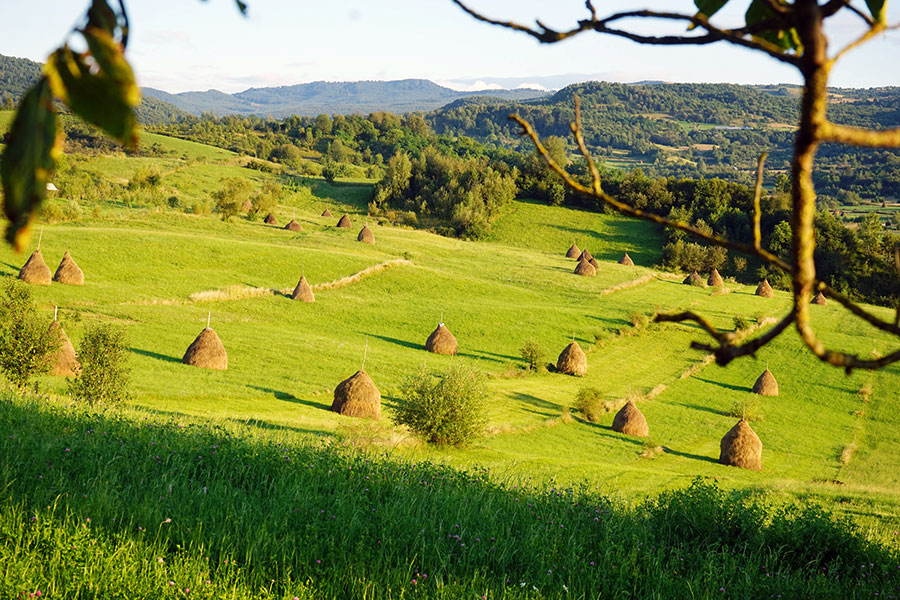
column 207, row 352
column 585, row 268
column 741, row 447
column 294, row 226
column 820, row 299
column 247, row 206
column 630, row 421
column 68, row 271
column 35, row 270
column 303, row 292
column 441, row 341
column 344, row 222
column 594, row 263
column 271, row 220
column 366, row 235
column 626, row 260
column 65, row 361
column 715, row 280
column 573, row 252
column 694, row 279
column 764, row 289
column 585, row 255
column 327, row 213
column 357, row 396
column 572, row 360
column 765, row 384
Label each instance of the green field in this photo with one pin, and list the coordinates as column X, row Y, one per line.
column 142, row 265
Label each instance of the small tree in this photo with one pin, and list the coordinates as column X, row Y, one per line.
column 104, row 373
column 534, row 354
column 266, row 200
column 26, row 343
column 446, row 410
column 231, row 198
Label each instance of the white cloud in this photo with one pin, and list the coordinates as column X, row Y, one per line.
column 476, row 86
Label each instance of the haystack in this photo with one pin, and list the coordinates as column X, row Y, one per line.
column 765, row 384
column 247, row 206
column 344, row 222
column 694, row 279
column 594, row 263
column 294, row 226
column 303, row 292
column 630, row 421
column 585, row 255
column 207, row 352
column 441, row 341
column 35, row 270
column 365, row 235
column 327, row 213
column 65, row 362
column 626, row 260
column 820, row 299
column 572, row 360
column 573, row 252
column 741, row 447
column 715, row 280
column 764, row 289
column 357, row 396
column 271, row 220
column 585, row 268
column 68, row 271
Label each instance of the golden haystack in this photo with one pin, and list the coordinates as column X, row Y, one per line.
column 357, row 396
column 572, row 360
column 585, row 268
column 327, row 213
column 630, row 421
column 207, row 352
column 585, row 255
column 820, row 299
column 65, row 361
column 247, row 206
column 765, row 384
column 441, row 341
column 626, row 260
column 573, row 252
column 694, row 279
column 741, row 447
column 715, row 280
column 294, row 226
column 68, row 271
column 344, row 222
column 365, row 235
column 764, row 289
column 303, row 292
column 594, row 263
column 271, row 220
column 35, row 270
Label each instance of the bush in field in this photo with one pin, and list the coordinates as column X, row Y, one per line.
column 266, row 200
column 534, row 354
column 590, row 404
column 104, row 373
column 26, row 344
column 444, row 409
column 231, row 198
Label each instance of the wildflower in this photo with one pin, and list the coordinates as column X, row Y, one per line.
column 160, row 560
column 171, row 583
column 413, row 582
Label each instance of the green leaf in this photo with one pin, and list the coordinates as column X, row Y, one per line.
column 101, row 16
column 35, row 142
column 708, row 8
column 785, row 39
column 876, row 8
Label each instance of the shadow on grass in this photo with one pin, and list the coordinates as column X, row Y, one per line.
column 156, row 355
column 608, row 432
column 728, row 386
column 288, row 397
column 721, row 413
column 544, row 408
column 14, row 270
column 395, row 341
column 668, row 450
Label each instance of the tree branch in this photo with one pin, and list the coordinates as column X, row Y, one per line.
column 859, row 136
column 757, row 193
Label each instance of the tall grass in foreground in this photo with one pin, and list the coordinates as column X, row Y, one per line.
column 106, row 505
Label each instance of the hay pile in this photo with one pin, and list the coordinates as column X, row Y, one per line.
column 441, row 341
column 820, row 299
column 573, row 252
column 741, row 447
column 207, row 352
column 572, row 360
column 585, row 255
column 271, row 220
column 327, row 213
column 694, row 279
column 765, row 384
column 35, row 270
column 65, row 362
column 365, row 235
column 594, row 263
column 585, row 268
column 294, row 226
column 344, row 222
column 247, row 206
column 626, row 260
column 357, row 396
column 764, row 289
column 630, row 421
column 303, row 292
column 68, row 271
column 715, row 280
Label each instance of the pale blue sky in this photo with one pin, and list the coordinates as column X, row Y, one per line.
column 180, row 45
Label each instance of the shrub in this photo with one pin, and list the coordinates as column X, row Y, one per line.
column 741, row 323
column 446, row 410
column 26, row 346
column 534, row 354
column 590, row 404
column 750, row 409
column 640, row 321
column 104, row 374
column 72, row 211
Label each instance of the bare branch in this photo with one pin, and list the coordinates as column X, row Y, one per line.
column 579, row 138
column 859, row 136
column 833, row 6
column 757, row 193
column 720, row 336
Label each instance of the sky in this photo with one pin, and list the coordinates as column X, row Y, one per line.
column 182, row 45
